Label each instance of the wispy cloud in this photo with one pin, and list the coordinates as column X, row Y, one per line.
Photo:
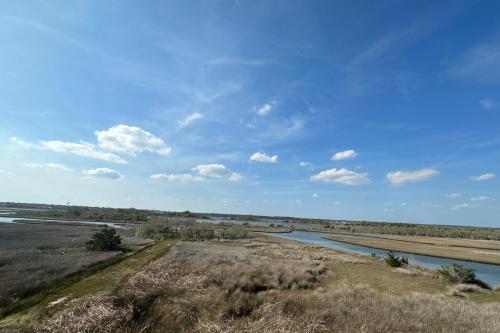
column 481, row 63
column 404, row 177
column 453, row 195
column 484, row 176
column 460, row 206
column 48, row 166
column 234, row 61
column 480, row 198
column 82, row 148
column 181, row 177
column 190, row 119
column 488, row 104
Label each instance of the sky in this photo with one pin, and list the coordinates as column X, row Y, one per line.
column 363, row 110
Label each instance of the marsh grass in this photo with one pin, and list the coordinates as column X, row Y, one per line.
column 262, row 286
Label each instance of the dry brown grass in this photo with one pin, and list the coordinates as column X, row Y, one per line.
column 401, row 245
column 269, row 286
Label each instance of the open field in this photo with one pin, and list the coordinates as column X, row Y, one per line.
column 486, row 252
column 482, row 244
column 263, row 284
column 36, row 256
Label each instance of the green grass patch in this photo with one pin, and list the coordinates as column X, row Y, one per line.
column 86, row 283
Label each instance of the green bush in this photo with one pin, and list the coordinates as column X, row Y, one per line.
column 394, row 261
column 105, row 240
column 457, row 274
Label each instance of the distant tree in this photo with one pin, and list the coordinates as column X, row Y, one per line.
column 105, row 239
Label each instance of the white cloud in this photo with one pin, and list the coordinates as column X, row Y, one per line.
column 235, row 177
column 217, row 171
column 315, row 195
column 181, row 177
column 82, row 148
column 190, row 119
column 484, row 176
column 403, row 177
column 102, row 173
column 48, row 166
column 265, row 109
column 337, row 203
column 20, row 142
column 130, row 140
column 488, row 103
column 344, row 155
column 459, row 206
column 453, row 195
column 262, row 157
column 343, row 176
column 481, row 198
column 305, row 164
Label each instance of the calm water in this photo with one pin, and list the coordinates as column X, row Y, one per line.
column 487, row 273
column 12, row 220
column 7, row 219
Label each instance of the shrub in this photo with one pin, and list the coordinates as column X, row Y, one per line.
column 105, row 240
column 457, row 274
column 394, row 261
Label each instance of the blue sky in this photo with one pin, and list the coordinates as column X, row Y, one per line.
column 383, row 110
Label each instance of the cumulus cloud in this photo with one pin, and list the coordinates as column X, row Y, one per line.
column 102, row 173
column 343, row 176
column 453, row 195
column 217, row 171
column 265, row 109
column 484, row 176
column 190, row 119
column 403, row 177
column 181, row 177
column 262, row 157
column 48, row 166
column 488, row 104
column 344, row 155
column 130, row 140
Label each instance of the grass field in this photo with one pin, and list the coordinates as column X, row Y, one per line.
column 472, row 250
column 49, row 302
column 262, row 284
column 35, row 257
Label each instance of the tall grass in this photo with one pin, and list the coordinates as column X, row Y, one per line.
column 257, row 286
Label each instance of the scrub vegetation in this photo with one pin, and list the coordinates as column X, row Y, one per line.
column 36, row 257
column 263, row 284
